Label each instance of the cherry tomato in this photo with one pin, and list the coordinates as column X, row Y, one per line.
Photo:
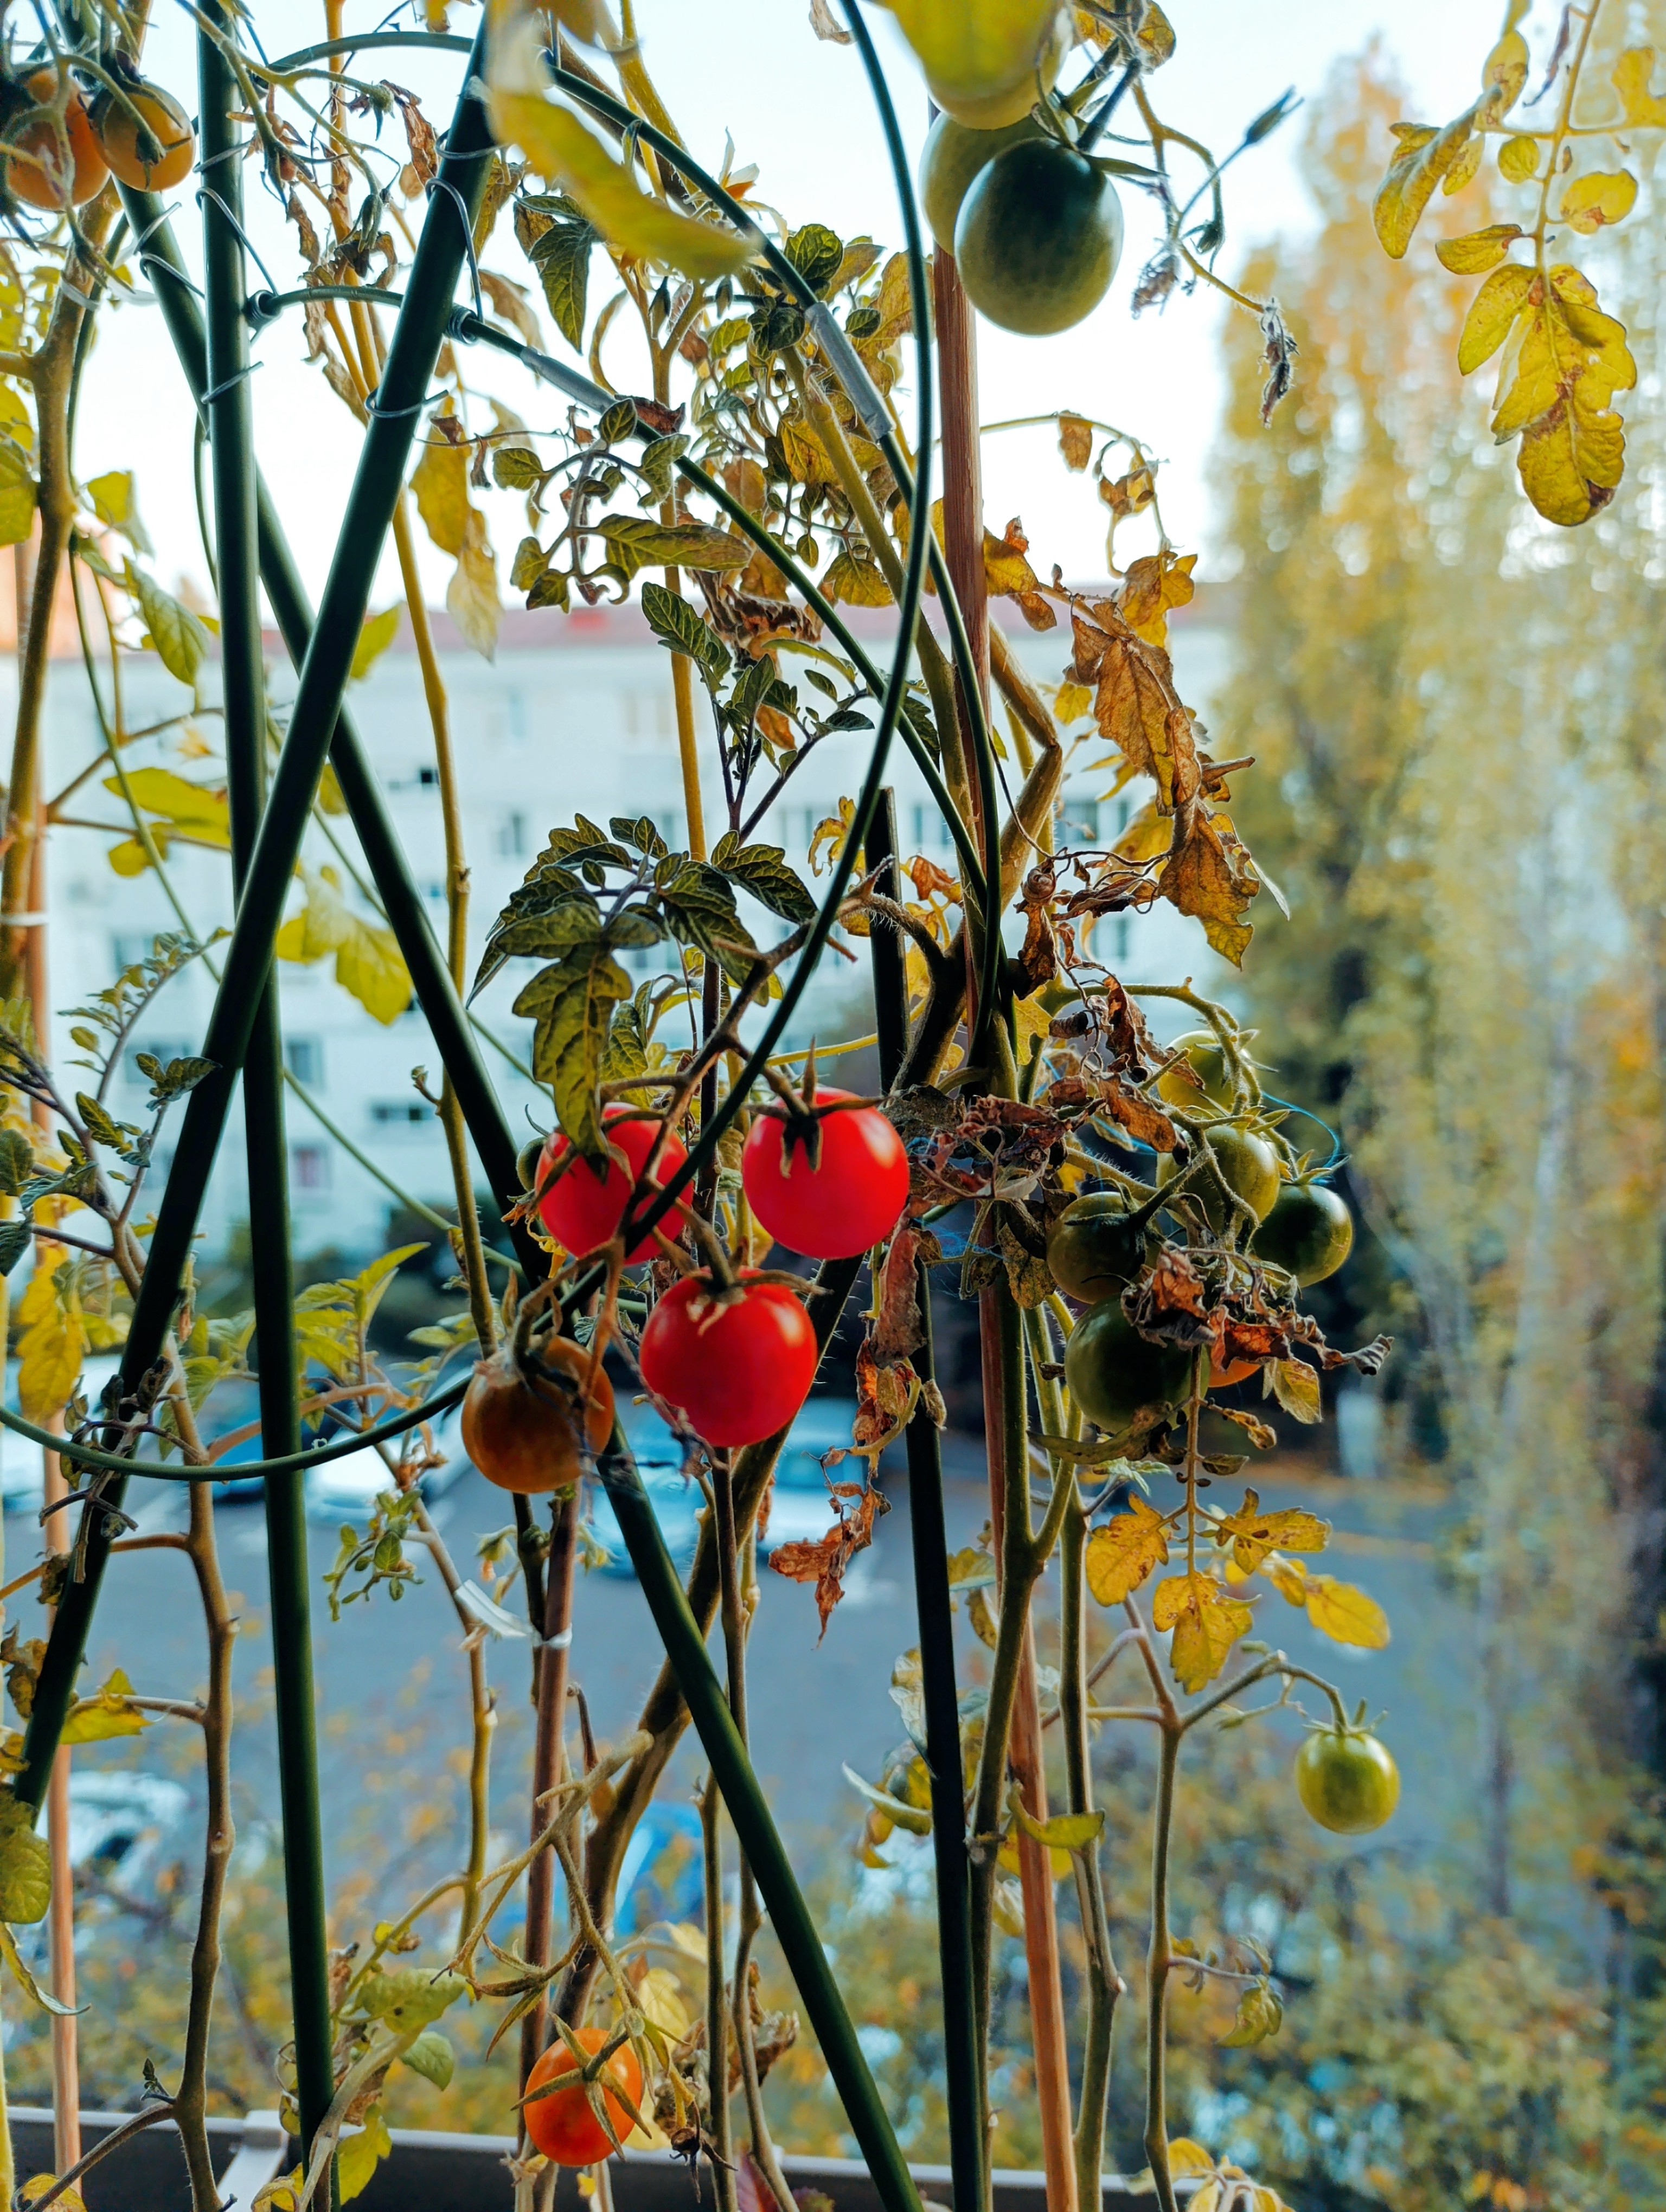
column 1347, row 1780
column 954, row 155
column 982, row 107
column 1092, row 1251
column 40, row 180
column 174, row 142
column 1310, row 1231
column 562, row 2125
column 522, row 1430
column 1235, row 1371
column 737, row 1371
column 1248, row 1163
column 843, row 1206
column 1038, row 239
column 585, row 1209
column 1114, row 1373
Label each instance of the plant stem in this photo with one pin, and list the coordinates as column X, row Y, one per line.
column 1104, row 1984
column 552, row 1674
column 1158, row 1961
column 720, row 2139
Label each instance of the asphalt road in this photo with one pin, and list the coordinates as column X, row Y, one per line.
column 392, row 1677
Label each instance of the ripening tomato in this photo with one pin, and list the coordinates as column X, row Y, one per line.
column 165, row 160
column 1347, row 1780
column 1235, row 1371
column 843, row 1206
column 1201, row 1074
column 521, row 1428
column 736, row 1365
column 982, row 107
column 40, row 179
column 585, row 1209
column 1092, row 1251
column 562, row 2124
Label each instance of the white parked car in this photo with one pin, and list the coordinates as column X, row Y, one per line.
column 346, row 1489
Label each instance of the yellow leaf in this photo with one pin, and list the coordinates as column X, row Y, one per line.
column 1492, row 311
column 832, row 833
column 976, row 50
column 1607, row 195
column 110, row 1713
column 1255, row 1534
column 1482, row 250
column 360, row 2155
column 280, row 2195
column 1518, row 158
column 1207, row 1623
column 471, row 597
column 1186, row 2157
column 1071, row 701
column 1504, row 76
column 856, row 580
column 52, row 1343
column 1075, row 441
column 1288, row 1576
column 560, row 148
column 1630, row 76
column 1147, row 835
column 1155, row 583
column 195, row 809
column 1424, row 159
column 1005, row 570
column 1124, row 1552
column 368, row 960
column 69, row 2200
column 1464, row 169
column 441, row 484
column 1563, row 363
column 1260, row 2015
column 659, row 1997
column 1346, row 1614
column 17, row 493
column 378, row 634
column 1296, row 1386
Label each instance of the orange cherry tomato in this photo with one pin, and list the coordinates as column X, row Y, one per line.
column 563, row 2124
column 175, row 141
column 40, row 179
column 522, row 1430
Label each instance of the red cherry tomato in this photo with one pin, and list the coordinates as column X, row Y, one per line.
column 564, row 2125
column 585, row 1209
column 843, row 1206
column 737, row 1372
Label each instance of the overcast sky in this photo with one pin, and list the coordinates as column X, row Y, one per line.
column 816, row 144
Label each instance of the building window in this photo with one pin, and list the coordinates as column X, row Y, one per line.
column 306, row 1057
column 1079, row 822
column 515, row 711
column 512, row 835
column 428, row 777
column 309, row 1168
column 398, row 1112
column 130, row 951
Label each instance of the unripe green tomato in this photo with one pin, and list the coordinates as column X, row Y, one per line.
column 954, row 155
column 527, row 1160
column 1202, row 1059
column 1092, row 1251
column 985, row 108
column 1249, row 1165
column 1347, row 1780
column 1114, row 1373
column 1310, row 1232
column 1038, row 239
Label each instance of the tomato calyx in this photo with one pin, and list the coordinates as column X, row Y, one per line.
column 802, row 1115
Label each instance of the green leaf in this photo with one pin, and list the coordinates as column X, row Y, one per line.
column 101, row 1126
column 179, row 1077
column 762, row 869
column 516, row 468
column 16, row 1161
column 561, row 256
column 1296, row 1386
column 26, row 1982
column 914, row 1817
column 640, row 834
column 179, row 638
column 573, row 1005
column 858, row 581
column 675, row 623
column 378, row 634
column 406, row 1997
column 618, row 422
column 26, row 1866
column 15, row 1240
column 816, row 253
column 1064, row 1831
column 17, row 493
column 432, row 2057
column 635, row 541
column 658, row 459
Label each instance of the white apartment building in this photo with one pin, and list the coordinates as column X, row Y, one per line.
column 575, row 715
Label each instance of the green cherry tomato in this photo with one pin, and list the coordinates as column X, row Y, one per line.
column 1310, row 1232
column 954, row 156
column 1092, row 1252
column 1201, row 1075
column 1114, row 1373
column 1347, row 1780
column 1038, row 239
column 1249, row 1165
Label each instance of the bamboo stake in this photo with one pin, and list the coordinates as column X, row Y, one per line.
column 1005, row 1423
column 231, row 426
